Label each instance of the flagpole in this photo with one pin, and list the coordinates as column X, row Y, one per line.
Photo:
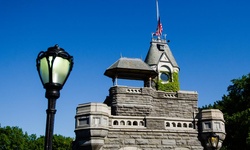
column 159, row 25
column 157, row 11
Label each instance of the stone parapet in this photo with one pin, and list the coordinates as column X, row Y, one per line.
column 211, row 121
column 94, row 108
column 212, row 114
column 152, row 123
column 92, row 125
column 131, row 101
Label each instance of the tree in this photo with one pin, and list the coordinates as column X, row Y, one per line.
column 62, row 143
column 36, row 143
column 236, row 108
column 13, row 138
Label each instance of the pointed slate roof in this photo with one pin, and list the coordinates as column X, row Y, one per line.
column 130, row 68
column 157, row 48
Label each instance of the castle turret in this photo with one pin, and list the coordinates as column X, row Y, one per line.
column 161, row 59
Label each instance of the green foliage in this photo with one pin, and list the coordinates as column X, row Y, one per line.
column 236, row 108
column 36, row 143
column 171, row 86
column 13, row 138
column 61, row 143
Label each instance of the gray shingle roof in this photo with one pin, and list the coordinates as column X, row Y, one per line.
column 154, row 53
column 130, row 68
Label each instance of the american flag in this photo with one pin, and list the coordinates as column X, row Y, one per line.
column 159, row 28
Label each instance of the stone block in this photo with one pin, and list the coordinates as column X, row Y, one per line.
column 182, row 148
column 141, row 141
column 168, row 142
column 154, row 141
column 193, row 142
column 181, row 142
column 129, row 141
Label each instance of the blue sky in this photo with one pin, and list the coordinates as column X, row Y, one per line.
column 209, row 39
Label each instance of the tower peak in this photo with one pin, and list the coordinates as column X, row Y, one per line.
column 158, row 39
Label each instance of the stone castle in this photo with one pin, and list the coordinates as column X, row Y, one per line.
column 156, row 116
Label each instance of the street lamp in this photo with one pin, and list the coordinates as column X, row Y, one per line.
column 213, row 140
column 54, row 67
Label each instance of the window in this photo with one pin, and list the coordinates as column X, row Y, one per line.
column 160, row 47
column 135, row 123
column 217, row 125
column 115, row 122
column 141, row 123
column 83, row 121
column 122, row 123
column 184, row 125
column 164, row 77
column 167, row 124
column 207, row 125
column 129, row 123
column 96, row 120
column 174, row 125
column 105, row 121
column 179, row 125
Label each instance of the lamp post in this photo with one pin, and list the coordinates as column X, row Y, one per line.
column 54, row 67
column 213, row 141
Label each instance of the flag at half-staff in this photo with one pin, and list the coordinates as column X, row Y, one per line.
column 159, row 27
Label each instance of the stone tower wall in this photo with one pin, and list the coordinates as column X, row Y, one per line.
column 125, row 101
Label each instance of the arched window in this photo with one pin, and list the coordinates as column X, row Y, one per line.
column 115, row 122
column 122, row 123
column 179, row 125
column 129, row 123
column 165, row 74
column 141, row 123
column 190, row 125
column 184, row 125
column 135, row 123
column 174, row 125
column 167, row 124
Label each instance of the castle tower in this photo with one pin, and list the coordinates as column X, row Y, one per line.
column 156, row 116
column 161, row 59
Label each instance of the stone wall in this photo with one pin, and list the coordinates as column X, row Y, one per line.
column 152, row 139
column 146, row 119
column 97, row 129
column 125, row 101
